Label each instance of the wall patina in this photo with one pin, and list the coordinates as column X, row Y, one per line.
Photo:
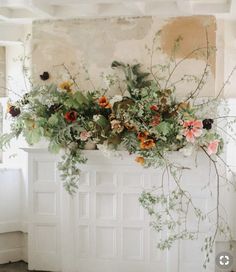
column 95, row 43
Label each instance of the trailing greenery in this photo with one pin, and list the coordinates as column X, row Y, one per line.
column 147, row 120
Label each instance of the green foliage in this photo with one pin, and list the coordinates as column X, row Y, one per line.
column 135, row 79
column 149, row 122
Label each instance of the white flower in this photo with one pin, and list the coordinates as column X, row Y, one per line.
column 105, row 149
column 96, row 117
column 107, row 81
column 179, row 137
column 116, row 98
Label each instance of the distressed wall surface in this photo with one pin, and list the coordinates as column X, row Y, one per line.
column 95, row 43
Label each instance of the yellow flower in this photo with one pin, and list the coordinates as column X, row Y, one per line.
column 9, row 105
column 66, row 86
column 140, row 160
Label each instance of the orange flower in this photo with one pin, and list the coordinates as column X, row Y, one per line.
column 130, row 126
column 66, row 86
column 147, row 144
column 143, row 135
column 140, row 160
column 103, row 102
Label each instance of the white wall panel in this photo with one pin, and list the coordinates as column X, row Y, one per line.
column 44, row 212
column 103, row 228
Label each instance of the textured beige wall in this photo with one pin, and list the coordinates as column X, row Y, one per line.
column 97, row 42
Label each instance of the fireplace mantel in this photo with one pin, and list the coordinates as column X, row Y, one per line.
column 103, row 227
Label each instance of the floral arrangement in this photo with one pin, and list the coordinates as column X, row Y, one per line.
column 147, row 120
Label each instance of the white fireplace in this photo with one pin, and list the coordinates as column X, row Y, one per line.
column 103, row 227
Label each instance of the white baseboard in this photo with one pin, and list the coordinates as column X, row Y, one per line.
column 13, row 247
column 11, row 255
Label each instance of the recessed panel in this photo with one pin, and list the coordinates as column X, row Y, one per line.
column 105, row 205
column 45, row 238
column 45, row 171
column 45, row 203
column 133, row 243
column 105, row 242
column 156, row 180
column 132, row 180
column 84, row 179
column 83, row 241
column 105, row 179
column 83, row 200
column 155, row 253
column 193, row 246
column 132, row 209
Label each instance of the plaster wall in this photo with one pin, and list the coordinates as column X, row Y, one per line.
column 95, row 43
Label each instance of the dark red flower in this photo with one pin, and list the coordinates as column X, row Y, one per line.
column 14, row 111
column 71, row 116
column 44, row 76
column 207, row 123
column 154, row 108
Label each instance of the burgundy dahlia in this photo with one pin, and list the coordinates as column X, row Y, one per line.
column 207, row 123
column 14, row 111
column 71, row 116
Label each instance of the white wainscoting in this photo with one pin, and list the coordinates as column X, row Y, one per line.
column 103, row 228
column 13, row 242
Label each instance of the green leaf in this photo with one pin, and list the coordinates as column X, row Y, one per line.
column 52, row 87
column 164, row 128
column 54, row 147
column 80, row 98
column 102, row 122
column 33, row 136
column 53, row 120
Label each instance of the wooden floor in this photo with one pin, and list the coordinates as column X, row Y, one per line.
column 14, row 267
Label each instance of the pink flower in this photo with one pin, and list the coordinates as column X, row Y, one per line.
column 213, row 147
column 192, row 130
column 84, row 135
column 156, row 120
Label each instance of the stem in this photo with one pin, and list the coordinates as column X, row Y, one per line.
column 199, row 86
column 180, row 61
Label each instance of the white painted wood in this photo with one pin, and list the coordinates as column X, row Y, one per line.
column 10, row 196
column 11, row 34
column 111, row 230
column 11, row 247
column 44, row 213
column 103, row 228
